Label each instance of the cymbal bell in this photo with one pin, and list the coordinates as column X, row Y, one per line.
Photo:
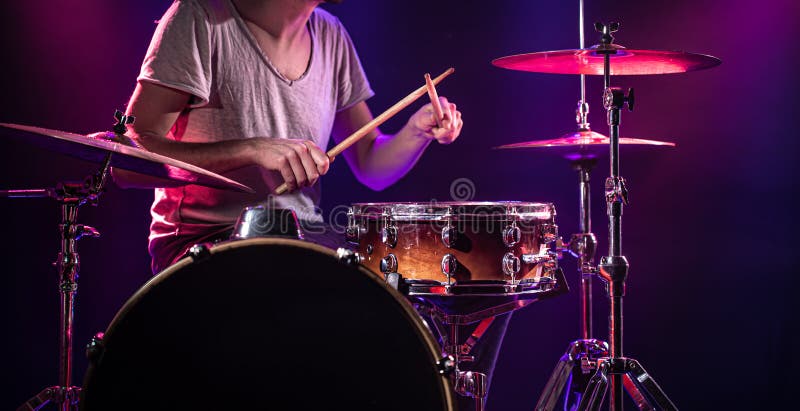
column 623, row 61
column 582, row 144
column 124, row 157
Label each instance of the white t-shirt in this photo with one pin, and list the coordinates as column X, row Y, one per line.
column 204, row 48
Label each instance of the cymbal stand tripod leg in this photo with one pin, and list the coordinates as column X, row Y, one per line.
column 71, row 196
column 619, row 372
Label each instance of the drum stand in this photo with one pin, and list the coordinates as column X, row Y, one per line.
column 626, row 373
column 71, row 196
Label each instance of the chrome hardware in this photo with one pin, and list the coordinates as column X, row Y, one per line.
column 471, row 384
column 511, row 235
column 549, row 233
column 199, row 252
column 545, row 255
column 348, row 257
column 511, row 264
column 583, row 246
column 389, row 264
column 389, row 231
column 449, row 266
column 449, row 235
column 446, row 365
column 353, row 231
column 389, row 236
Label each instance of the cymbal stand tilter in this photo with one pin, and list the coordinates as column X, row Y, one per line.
column 71, row 196
column 625, row 373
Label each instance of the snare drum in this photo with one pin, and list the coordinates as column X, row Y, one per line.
column 459, row 248
column 245, row 324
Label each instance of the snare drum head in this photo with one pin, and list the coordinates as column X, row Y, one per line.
column 264, row 322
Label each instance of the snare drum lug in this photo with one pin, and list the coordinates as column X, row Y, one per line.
column 449, row 235
column 389, row 264
column 449, row 266
column 511, row 235
column 352, row 234
column 511, row 264
column 353, row 231
column 389, row 236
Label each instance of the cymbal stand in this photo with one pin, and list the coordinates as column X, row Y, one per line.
column 625, row 373
column 71, row 196
column 580, row 359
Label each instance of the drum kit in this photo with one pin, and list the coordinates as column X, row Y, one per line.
column 378, row 323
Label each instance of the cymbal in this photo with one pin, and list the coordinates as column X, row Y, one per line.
column 583, row 144
column 623, row 62
column 124, row 156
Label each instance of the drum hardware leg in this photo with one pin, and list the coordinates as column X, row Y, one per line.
column 467, row 383
column 642, row 388
column 579, row 360
column 70, row 196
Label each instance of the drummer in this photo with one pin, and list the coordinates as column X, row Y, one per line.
column 253, row 89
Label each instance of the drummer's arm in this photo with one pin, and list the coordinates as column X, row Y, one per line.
column 378, row 160
column 156, row 108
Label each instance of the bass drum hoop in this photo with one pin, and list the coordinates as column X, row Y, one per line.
column 92, row 393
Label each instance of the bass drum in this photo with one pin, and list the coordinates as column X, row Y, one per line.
column 262, row 323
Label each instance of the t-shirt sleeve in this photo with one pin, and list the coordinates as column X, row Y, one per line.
column 179, row 56
column 352, row 80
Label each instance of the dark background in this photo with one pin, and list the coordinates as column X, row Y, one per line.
column 710, row 230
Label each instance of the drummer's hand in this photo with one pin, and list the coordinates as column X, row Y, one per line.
column 300, row 162
column 425, row 122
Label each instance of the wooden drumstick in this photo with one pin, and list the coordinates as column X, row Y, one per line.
column 437, row 106
column 377, row 121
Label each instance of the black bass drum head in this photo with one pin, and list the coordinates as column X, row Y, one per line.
column 261, row 324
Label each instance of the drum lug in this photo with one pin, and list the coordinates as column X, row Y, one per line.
column 349, row 257
column 95, row 348
column 511, row 264
column 354, row 230
column 389, row 236
column 511, row 235
column 449, row 266
column 449, row 235
column 389, row 264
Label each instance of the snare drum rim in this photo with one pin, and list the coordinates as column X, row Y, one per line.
column 438, row 211
column 425, row 335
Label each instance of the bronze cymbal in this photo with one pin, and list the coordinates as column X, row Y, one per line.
column 582, row 144
column 622, row 62
column 123, row 156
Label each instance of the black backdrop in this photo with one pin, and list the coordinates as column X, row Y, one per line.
column 709, row 232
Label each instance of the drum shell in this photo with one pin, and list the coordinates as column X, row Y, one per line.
column 235, row 330
column 479, row 248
